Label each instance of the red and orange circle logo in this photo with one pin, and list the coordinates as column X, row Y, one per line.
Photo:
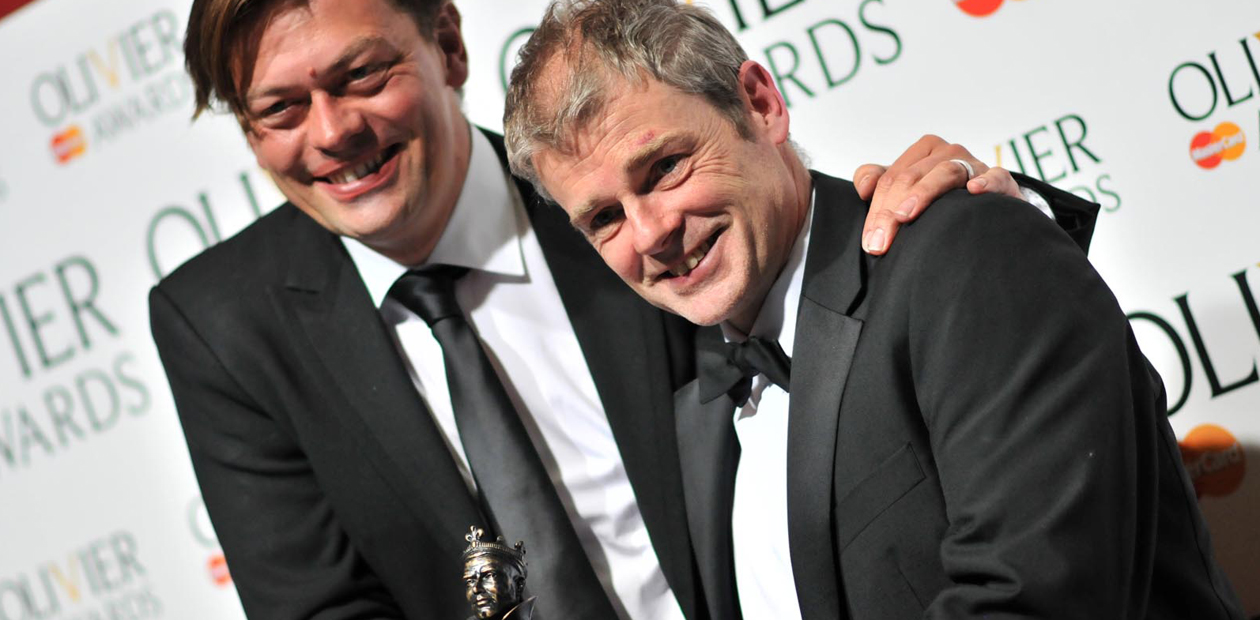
column 1209, row 148
column 1214, row 459
column 979, row 8
column 68, row 144
column 218, row 568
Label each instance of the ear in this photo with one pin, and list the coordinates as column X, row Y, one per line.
column 447, row 35
column 767, row 112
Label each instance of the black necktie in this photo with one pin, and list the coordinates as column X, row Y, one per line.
column 728, row 367
column 514, row 486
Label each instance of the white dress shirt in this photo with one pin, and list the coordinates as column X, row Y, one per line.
column 512, row 303
column 759, row 523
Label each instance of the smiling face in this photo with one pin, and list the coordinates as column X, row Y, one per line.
column 694, row 217
column 355, row 116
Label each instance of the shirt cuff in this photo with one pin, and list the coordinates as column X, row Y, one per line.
column 1037, row 200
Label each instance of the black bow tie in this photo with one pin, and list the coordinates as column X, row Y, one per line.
column 728, row 367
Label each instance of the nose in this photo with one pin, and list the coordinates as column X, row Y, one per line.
column 656, row 228
column 334, row 125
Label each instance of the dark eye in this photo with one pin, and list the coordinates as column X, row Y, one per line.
column 365, row 79
column 663, row 168
column 283, row 113
column 667, row 165
column 358, row 73
column 275, row 108
column 605, row 217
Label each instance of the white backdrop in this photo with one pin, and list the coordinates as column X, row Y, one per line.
column 1151, row 108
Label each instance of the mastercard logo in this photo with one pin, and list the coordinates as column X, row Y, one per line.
column 219, row 570
column 979, row 8
column 69, row 144
column 1214, row 459
column 1209, row 148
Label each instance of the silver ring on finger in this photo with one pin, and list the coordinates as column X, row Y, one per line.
column 971, row 172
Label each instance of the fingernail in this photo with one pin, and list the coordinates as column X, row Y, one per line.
column 874, row 241
column 907, row 206
column 862, row 181
column 980, row 182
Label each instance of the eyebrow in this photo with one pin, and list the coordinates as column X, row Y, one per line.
column 580, row 213
column 648, row 152
column 641, row 157
column 354, row 50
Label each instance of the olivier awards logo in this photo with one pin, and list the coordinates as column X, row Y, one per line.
column 113, row 88
column 979, row 8
column 103, row 578
column 75, row 378
column 1223, row 80
column 830, row 52
column 1059, row 152
column 1192, row 339
column 1214, row 459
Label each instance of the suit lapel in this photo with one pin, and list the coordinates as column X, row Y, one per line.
column 826, row 339
column 351, row 353
column 709, row 455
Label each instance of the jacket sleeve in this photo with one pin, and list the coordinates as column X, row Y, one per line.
column 1075, row 215
column 1042, row 417
column 288, row 555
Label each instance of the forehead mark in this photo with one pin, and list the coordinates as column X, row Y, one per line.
column 647, row 151
column 645, row 137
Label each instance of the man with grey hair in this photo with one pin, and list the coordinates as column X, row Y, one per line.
column 961, row 428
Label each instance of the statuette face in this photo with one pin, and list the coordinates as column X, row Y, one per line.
column 494, row 576
column 490, row 589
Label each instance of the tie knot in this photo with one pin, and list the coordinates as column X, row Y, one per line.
column 729, row 367
column 429, row 292
column 756, row 355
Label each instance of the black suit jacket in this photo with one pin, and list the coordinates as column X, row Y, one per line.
column 327, row 481
column 973, row 433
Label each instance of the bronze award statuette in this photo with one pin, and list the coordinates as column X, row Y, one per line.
column 494, row 579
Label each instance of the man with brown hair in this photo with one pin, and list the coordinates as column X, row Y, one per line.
column 414, row 344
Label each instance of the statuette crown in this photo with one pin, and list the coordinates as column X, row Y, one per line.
column 496, row 549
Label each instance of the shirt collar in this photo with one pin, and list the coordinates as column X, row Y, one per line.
column 483, row 233
column 777, row 317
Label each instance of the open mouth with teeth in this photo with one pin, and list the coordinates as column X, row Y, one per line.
column 367, row 168
column 689, row 262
